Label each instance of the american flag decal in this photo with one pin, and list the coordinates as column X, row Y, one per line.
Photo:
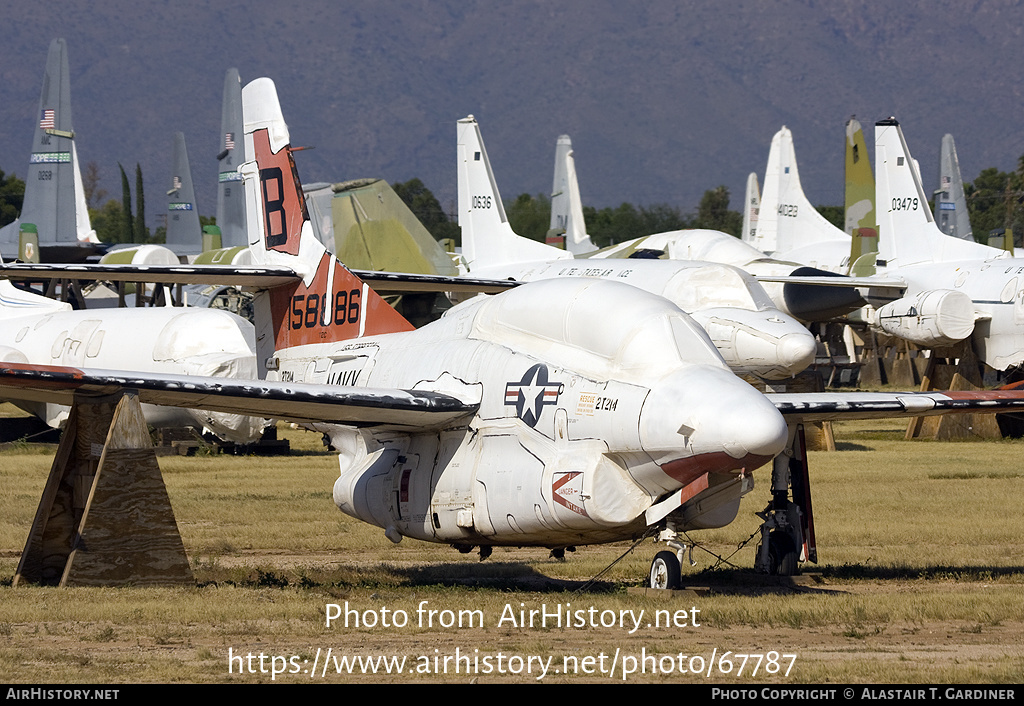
column 229, row 140
column 48, row 121
column 176, row 182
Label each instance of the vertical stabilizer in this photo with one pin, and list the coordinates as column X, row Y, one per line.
column 50, row 202
column 83, row 226
column 787, row 220
column 487, row 237
column 184, row 234
column 950, row 203
column 861, row 222
column 751, row 210
column 560, row 187
column 230, row 195
column 330, row 303
column 860, row 182
column 576, row 239
column 907, row 231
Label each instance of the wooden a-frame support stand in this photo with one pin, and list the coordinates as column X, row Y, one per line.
column 104, row 518
column 955, row 368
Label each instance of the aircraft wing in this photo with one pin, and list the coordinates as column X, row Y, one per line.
column 258, row 277
column 401, row 282
column 245, row 276
column 837, row 406
column 840, row 281
column 413, row 410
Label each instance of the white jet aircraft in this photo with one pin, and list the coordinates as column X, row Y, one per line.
column 752, row 335
column 158, row 340
column 795, row 289
column 954, row 288
column 788, row 226
column 562, row 412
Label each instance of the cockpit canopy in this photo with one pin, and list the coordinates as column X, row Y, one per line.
column 600, row 328
column 710, row 284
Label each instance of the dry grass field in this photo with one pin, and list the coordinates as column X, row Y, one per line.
column 921, row 579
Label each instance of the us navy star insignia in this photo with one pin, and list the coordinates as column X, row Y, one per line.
column 531, row 394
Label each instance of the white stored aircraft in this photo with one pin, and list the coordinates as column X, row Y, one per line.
column 933, row 289
column 788, row 226
column 794, row 289
column 751, row 334
column 562, row 412
column 954, row 288
column 160, row 340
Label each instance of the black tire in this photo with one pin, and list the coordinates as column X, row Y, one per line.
column 785, row 560
column 665, row 571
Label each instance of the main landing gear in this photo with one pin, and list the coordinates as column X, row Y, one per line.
column 787, row 533
column 787, row 530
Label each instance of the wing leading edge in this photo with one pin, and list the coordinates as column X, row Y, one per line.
column 825, row 406
column 412, row 410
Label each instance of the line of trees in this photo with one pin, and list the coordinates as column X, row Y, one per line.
column 530, row 216
column 994, row 200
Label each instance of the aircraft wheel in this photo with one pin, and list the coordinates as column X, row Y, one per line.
column 665, row 571
column 785, row 560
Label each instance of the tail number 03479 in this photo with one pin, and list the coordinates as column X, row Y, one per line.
column 308, row 309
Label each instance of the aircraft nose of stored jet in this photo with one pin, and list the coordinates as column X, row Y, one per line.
column 796, row 350
column 768, row 344
column 708, row 419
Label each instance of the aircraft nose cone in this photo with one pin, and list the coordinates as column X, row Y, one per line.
column 755, row 429
column 796, row 351
column 767, row 344
column 710, row 411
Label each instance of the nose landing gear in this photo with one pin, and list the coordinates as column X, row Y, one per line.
column 666, row 571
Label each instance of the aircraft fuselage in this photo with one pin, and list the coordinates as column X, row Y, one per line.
column 577, row 434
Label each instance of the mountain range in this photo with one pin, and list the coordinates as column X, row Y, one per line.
column 662, row 99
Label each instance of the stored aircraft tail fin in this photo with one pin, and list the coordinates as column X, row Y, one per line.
column 560, row 187
column 860, row 221
column 577, row 241
column 52, row 204
column 230, row 195
column 787, row 220
column 907, row 231
column 751, row 210
column 860, row 182
column 566, row 204
column 487, row 237
column 330, row 303
column 950, row 202
column 184, row 234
